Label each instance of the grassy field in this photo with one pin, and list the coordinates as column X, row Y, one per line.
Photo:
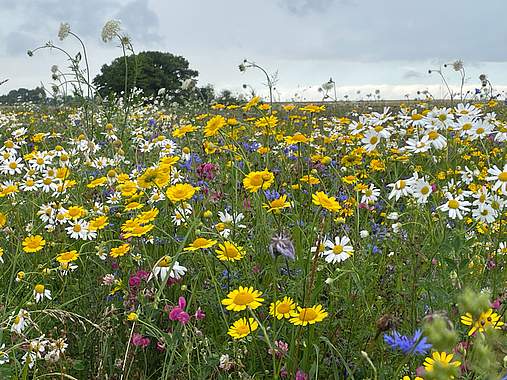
column 303, row 241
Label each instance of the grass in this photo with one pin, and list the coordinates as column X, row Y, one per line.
column 412, row 266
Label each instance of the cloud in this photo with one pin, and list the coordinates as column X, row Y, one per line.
column 140, row 22
column 33, row 22
column 412, row 74
column 355, row 42
column 302, row 7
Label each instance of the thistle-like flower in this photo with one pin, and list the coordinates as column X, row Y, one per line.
column 64, row 30
column 281, row 245
column 126, row 41
column 110, row 30
column 457, row 65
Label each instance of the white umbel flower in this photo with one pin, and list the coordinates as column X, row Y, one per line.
column 110, row 30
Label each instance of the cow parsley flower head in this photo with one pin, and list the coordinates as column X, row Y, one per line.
column 416, row 344
column 64, row 30
column 110, row 30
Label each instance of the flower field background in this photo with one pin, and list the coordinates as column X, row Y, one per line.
column 146, row 240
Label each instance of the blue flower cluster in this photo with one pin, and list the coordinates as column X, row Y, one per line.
column 416, row 344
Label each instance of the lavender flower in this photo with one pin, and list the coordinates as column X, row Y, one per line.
column 281, row 245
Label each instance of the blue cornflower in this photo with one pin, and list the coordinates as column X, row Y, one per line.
column 271, row 194
column 416, row 344
column 251, row 147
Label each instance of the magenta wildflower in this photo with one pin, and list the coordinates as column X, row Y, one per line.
column 199, row 314
column 178, row 313
column 139, row 340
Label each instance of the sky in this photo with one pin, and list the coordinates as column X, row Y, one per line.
column 363, row 45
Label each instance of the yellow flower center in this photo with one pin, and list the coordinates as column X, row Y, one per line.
column 243, row 298
column 502, row 176
column 283, row 308
column 433, row 135
column 242, row 329
column 39, row 288
column 337, row 249
column 453, row 203
column 307, row 314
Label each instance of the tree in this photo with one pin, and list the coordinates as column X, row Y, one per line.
column 149, row 71
column 21, row 95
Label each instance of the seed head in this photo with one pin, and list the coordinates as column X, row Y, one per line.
column 64, row 30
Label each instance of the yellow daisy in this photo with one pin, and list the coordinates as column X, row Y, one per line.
column 243, row 297
column 308, row 315
column 242, row 328
column 180, row 192
column 200, row 243
column 282, row 308
column 485, row 320
column 229, row 252
column 33, row 243
column 257, row 180
column 329, row 203
column 441, row 359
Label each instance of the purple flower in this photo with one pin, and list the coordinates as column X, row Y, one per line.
column 300, row 375
column 199, row 314
column 206, row 171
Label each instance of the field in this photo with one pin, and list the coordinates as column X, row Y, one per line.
column 253, row 241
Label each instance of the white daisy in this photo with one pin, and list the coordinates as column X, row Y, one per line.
column 456, row 206
column 40, row 292
column 500, row 176
column 337, row 251
column 399, row 188
column 421, row 190
column 370, row 194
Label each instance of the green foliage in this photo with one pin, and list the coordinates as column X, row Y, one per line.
column 149, row 71
column 23, row 95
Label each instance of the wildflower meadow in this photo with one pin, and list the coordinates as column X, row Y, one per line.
column 142, row 238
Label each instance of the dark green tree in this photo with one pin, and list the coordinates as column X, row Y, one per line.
column 21, row 95
column 149, row 71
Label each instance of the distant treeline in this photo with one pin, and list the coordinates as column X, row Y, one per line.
column 23, row 95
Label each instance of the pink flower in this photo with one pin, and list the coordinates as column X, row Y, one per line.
column 300, row 375
column 496, row 304
column 160, row 346
column 199, row 314
column 206, row 171
column 280, row 350
column 134, row 281
column 178, row 313
column 139, row 340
